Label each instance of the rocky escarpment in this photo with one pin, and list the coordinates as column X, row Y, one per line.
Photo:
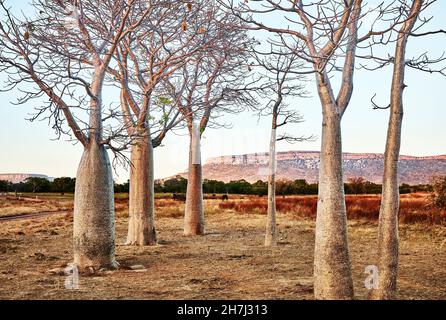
column 293, row 165
column 21, row 177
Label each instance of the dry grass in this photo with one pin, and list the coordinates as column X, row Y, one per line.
column 414, row 208
column 229, row 262
column 12, row 206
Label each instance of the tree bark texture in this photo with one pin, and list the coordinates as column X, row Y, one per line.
column 94, row 212
column 388, row 241
column 332, row 267
column 271, row 232
column 141, row 228
column 194, row 211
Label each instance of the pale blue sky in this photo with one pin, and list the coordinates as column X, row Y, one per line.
column 28, row 147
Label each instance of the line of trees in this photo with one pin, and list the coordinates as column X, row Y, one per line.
column 41, row 185
column 173, row 63
column 182, row 65
column 179, row 185
column 283, row 187
column 335, row 38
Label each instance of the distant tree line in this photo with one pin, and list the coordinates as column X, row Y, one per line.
column 179, row 185
column 359, row 185
column 283, row 187
column 32, row 185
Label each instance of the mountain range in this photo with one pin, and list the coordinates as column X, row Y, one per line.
column 292, row 165
column 21, row 177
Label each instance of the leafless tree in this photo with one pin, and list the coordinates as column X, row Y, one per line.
column 280, row 81
column 325, row 33
column 211, row 84
column 169, row 39
column 64, row 52
column 320, row 33
column 388, row 242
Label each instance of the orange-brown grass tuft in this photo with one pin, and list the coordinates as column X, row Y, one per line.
column 414, row 208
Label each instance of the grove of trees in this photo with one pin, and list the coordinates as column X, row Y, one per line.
column 181, row 65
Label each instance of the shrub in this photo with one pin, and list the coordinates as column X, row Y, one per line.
column 438, row 195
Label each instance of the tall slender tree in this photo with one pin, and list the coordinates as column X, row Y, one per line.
column 325, row 34
column 282, row 79
column 210, row 84
column 388, row 243
column 320, row 38
column 175, row 34
column 388, row 215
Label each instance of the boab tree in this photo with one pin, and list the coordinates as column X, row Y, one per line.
column 388, row 243
column 212, row 83
column 325, row 34
column 320, row 33
column 281, row 74
column 64, row 52
column 146, row 58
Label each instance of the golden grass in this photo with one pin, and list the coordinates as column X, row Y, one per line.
column 229, row 262
column 414, row 208
column 10, row 206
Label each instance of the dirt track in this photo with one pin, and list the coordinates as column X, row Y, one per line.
column 25, row 216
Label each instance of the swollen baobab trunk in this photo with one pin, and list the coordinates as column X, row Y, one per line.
column 94, row 213
column 194, row 214
column 271, row 234
column 332, row 269
column 141, row 229
column 74, row 33
column 388, row 215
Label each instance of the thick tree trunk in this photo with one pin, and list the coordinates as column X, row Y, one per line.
column 141, row 229
column 194, row 212
column 332, row 269
column 388, row 241
column 94, row 213
column 271, row 233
